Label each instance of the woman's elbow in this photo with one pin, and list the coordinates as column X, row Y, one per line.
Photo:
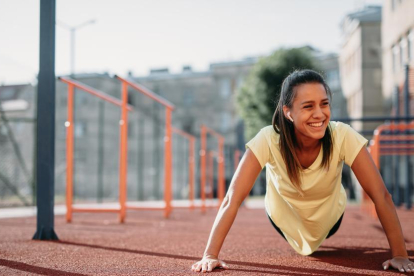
column 231, row 201
column 383, row 197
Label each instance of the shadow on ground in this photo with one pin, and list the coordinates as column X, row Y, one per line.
column 35, row 269
column 360, row 258
column 336, row 256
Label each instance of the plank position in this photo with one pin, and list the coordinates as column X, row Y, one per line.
column 304, row 153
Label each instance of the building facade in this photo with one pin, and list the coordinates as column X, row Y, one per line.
column 397, row 51
column 201, row 98
column 360, row 65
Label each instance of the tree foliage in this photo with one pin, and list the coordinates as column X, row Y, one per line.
column 259, row 94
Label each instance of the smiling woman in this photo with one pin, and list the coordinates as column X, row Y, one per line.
column 304, row 153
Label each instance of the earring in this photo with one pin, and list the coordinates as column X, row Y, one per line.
column 290, row 118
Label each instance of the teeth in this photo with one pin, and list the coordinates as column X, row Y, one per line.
column 316, row 124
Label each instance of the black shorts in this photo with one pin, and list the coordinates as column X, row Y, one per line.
column 331, row 232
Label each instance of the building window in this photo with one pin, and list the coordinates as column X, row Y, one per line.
column 188, row 98
column 225, row 88
column 332, row 78
column 410, row 45
column 80, row 129
column 403, row 47
column 395, row 54
column 225, row 121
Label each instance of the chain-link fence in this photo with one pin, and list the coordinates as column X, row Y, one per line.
column 17, row 161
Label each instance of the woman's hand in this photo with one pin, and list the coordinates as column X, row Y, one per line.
column 400, row 263
column 207, row 264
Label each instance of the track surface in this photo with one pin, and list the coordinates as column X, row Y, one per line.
column 148, row 244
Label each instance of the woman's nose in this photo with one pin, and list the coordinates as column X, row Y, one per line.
column 318, row 113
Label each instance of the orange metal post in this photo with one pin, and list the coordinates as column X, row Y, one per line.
column 221, row 164
column 168, row 162
column 203, row 168
column 210, row 174
column 123, row 153
column 221, row 172
column 167, row 148
column 69, row 155
column 191, row 171
column 236, row 159
column 70, row 148
column 191, row 146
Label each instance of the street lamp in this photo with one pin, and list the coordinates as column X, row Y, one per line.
column 72, row 30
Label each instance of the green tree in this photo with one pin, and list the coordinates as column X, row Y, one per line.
column 259, row 94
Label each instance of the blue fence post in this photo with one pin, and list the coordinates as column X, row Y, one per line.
column 45, row 136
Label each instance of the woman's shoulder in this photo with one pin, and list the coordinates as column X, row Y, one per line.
column 338, row 127
column 271, row 135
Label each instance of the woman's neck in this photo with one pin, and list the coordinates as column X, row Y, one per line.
column 305, row 144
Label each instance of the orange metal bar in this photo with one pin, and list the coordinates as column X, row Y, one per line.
column 400, row 146
column 221, row 172
column 147, row 92
column 396, row 138
column 182, row 133
column 168, row 162
column 97, row 210
column 221, row 164
column 70, row 148
column 210, row 178
column 237, row 154
column 69, row 155
column 375, row 150
column 94, row 92
column 167, row 140
column 203, row 168
column 123, row 157
column 191, row 171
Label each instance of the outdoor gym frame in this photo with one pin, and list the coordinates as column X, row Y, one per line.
column 169, row 107
column 191, row 158
column 221, row 166
column 72, row 84
column 391, row 144
column 123, row 204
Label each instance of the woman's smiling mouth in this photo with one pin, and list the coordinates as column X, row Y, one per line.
column 316, row 124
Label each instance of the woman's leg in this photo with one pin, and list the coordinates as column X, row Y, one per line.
column 335, row 227
column 277, row 228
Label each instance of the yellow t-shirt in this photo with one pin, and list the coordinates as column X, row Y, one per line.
column 306, row 221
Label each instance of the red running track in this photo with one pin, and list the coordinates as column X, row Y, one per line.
column 148, row 244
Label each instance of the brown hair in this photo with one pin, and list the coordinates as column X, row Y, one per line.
column 286, row 129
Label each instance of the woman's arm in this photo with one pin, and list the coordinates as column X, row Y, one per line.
column 372, row 183
column 241, row 184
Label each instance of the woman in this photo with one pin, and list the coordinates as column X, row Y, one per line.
column 304, row 154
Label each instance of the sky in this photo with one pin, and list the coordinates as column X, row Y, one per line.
column 137, row 35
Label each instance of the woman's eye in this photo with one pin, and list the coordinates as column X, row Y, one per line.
column 307, row 106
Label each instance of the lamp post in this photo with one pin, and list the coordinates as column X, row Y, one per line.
column 73, row 30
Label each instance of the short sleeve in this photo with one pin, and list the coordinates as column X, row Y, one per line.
column 352, row 144
column 260, row 147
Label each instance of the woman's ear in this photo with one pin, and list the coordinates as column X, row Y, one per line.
column 289, row 117
column 286, row 112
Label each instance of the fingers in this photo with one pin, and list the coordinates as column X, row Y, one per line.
column 196, row 267
column 407, row 268
column 208, row 265
column 211, row 266
column 223, row 265
column 410, row 267
column 386, row 264
column 204, row 267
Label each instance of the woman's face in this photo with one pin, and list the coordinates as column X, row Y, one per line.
column 310, row 111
